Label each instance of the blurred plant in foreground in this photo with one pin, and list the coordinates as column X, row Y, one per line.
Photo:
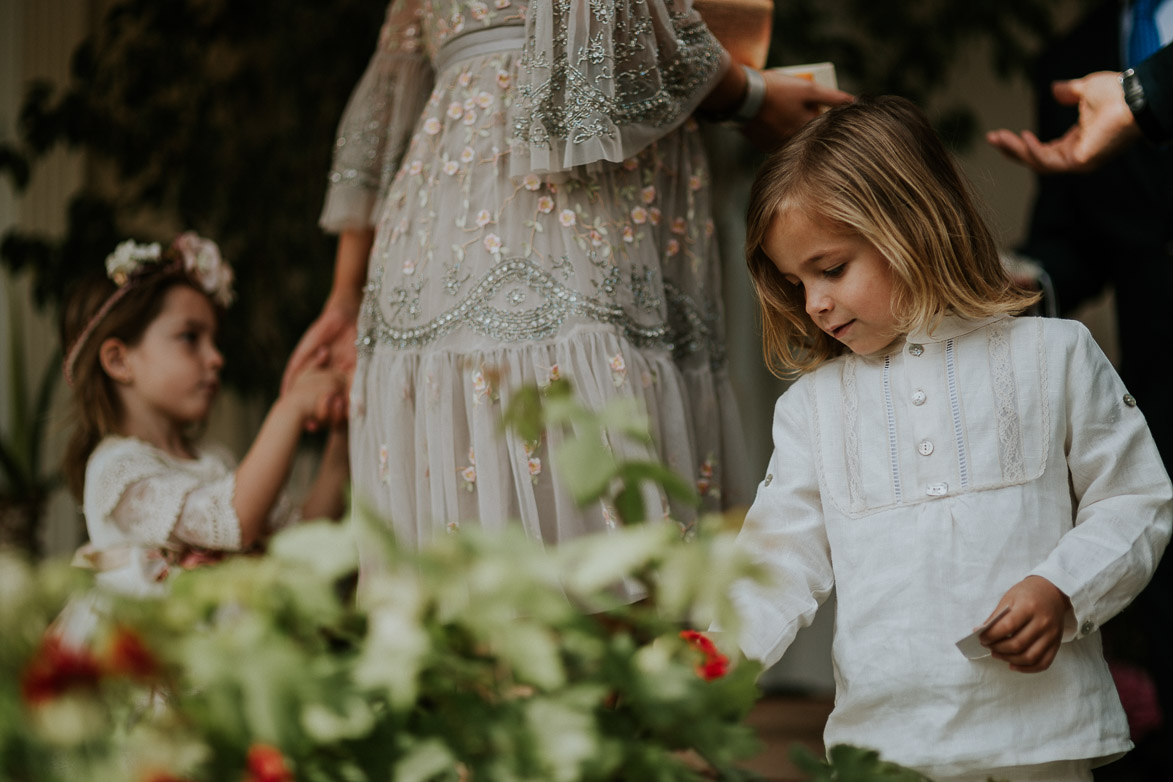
column 481, row 657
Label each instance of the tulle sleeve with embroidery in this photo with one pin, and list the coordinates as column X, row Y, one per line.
column 378, row 120
column 601, row 81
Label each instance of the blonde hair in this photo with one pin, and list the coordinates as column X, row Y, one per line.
column 96, row 411
column 875, row 168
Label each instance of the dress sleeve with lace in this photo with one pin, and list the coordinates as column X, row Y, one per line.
column 377, row 122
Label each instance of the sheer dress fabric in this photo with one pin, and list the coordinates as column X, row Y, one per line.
column 942, row 473
column 140, row 501
column 540, row 199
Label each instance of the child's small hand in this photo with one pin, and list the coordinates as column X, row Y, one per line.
column 328, row 408
column 1029, row 635
column 317, row 396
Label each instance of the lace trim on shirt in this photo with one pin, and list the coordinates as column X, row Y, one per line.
column 1006, row 406
column 955, row 409
column 893, row 454
column 688, row 329
column 851, row 430
column 598, row 93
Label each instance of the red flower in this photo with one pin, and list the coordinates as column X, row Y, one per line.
column 266, row 764
column 714, row 665
column 56, row 669
column 129, row 656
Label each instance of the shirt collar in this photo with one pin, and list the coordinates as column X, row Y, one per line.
column 951, row 327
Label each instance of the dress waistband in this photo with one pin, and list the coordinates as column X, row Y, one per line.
column 480, row 42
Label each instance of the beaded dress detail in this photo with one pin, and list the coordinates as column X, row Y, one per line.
column 541, row 202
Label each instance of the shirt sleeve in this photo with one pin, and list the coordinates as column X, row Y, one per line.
column 785, row 534
column 1124, row 501
column 378, row 121
column 601, row 81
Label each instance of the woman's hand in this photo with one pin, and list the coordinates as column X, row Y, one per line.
column 790, row 103
column 1029, row 635
column 334, row 331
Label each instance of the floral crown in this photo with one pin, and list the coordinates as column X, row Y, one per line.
column 190, row 253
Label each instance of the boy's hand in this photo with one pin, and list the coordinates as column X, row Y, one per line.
column 1029, row 635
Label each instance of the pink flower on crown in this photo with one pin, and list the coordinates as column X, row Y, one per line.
column 201, row 260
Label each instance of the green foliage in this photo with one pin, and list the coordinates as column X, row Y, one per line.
column 586, row 464
column 851, row 764
column 24, row 486
column 478, row 653
column 212, row 115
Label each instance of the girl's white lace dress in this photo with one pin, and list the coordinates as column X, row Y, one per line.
column 147, row 510
column 541, row 200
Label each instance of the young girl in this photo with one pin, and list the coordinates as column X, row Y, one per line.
column 941, row 465
column 144, row 370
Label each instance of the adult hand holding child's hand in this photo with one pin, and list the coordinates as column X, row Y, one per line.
column 1029, row 635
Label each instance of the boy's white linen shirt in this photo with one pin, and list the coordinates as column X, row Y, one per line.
column 922, row 484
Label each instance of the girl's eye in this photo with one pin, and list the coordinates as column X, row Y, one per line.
column 189, row 337
column 835, row 271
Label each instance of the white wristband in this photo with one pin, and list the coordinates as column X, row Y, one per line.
column 755, row 95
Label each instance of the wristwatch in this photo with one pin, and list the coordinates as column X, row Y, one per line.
column 1138, row 105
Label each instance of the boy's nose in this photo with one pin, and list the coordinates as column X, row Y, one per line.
column 817, row 303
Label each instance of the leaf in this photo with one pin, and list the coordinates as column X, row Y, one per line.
column 324, row 548
column 328, row 726
column 424, row 761
column 675, row 485
column 595, row 562
column 532, row 652
column 586, row 467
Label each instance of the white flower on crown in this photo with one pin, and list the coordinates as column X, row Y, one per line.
column 201, row 260
column 128, row 258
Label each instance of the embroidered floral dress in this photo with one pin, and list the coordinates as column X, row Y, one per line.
column 541, row 202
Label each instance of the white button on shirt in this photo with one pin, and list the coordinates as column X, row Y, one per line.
column 921, row 550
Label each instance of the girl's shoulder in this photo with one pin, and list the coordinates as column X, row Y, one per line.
column 135, row 459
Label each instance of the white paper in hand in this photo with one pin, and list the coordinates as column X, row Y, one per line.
column 971, row 647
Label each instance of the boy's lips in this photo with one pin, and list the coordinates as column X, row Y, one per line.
column 838, row 331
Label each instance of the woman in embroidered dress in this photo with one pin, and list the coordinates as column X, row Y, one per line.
column 144, row 370
column 522, row 192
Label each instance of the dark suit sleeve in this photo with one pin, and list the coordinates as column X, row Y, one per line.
column 1156, row 77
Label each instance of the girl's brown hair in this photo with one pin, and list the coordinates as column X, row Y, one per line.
column 96, row 411
column 876, row 168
